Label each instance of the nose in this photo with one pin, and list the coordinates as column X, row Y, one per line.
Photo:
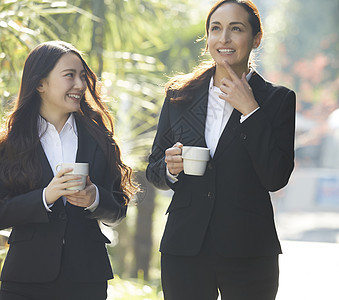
column 80, row 83
column 225, row 36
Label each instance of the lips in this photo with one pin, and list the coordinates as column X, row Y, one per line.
column 226, row 51
column 74, row 96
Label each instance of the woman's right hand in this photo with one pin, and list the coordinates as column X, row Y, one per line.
column 173, row 159
column 57, row 187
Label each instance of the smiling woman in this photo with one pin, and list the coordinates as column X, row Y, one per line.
column 220, row 231
column 57, row 250
column 62, row 90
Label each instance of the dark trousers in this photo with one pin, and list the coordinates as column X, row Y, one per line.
column 57, row 290
column 201, row 277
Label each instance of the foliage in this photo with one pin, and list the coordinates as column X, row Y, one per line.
column 304, row 56
column 119, row 289
column 24, row 24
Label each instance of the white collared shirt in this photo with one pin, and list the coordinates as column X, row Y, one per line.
column 60, row 147
column 218, row 113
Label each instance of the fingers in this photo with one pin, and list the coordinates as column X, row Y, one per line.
column 63, row 172
column 173, row 158
column 173, row 151
column 83, row 198
column 88, row 181
column 229, row 69
column 178, row 145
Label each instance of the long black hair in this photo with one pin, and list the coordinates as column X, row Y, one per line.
column 20, row 168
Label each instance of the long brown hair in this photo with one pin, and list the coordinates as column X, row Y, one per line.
column 183, row 87
column 20, row 168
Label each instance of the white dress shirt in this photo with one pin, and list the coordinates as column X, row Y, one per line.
column 218, row 113
column 60, row 147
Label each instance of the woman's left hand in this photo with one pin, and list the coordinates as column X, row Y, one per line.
column 238, row 92
column 85, row 197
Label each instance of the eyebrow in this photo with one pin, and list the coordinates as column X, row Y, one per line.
column 232, row 23
column 73, row 70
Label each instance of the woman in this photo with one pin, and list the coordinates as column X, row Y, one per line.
column 220, row 232
column 57, row 250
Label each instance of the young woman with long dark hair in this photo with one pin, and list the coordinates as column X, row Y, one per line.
column 57, row 250
column 220, row 234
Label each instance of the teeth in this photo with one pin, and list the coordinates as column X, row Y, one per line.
column 74, row 96
column 226, row 50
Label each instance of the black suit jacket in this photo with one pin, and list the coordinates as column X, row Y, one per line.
column 40, row 238
column 231, row 203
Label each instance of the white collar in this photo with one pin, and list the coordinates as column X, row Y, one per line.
column 216, row 89
column 43, row 125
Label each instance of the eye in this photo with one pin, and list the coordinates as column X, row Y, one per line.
column 214, row 28
column 236, row 28
column 69, row 75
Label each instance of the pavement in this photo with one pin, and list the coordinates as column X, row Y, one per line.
column 309, row 271
column 309, row 265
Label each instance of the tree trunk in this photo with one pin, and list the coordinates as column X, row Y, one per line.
column 143, row 241
column 98, row 8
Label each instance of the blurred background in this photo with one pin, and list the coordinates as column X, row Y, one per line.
column 134, row 47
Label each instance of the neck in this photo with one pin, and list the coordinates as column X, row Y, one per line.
column 221, row 72
column 56, row 120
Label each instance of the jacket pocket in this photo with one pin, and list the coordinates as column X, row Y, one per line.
column 20, row 234
column 180, row 199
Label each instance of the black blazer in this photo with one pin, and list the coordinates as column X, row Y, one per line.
column 231, row 203
column 39, row 238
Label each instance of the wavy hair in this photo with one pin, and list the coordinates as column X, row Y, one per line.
column 183, row 87
column 20, row 167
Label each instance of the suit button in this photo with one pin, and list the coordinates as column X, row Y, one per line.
column 243, row 136
column 210, row 195
column 62, row 215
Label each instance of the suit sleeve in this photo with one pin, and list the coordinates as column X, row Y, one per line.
column 22, row 209
column 268, row 136
column 111, row 209
column 156, row 169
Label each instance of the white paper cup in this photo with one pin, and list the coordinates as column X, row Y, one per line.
column 80, row 169
column 195, row 160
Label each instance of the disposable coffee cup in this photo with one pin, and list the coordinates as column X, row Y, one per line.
column 195, row 160
column 80, row 169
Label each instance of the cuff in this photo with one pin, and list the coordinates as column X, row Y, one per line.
column 95, row 204
column 243, row 118
column 44, row 201
column 171, row 178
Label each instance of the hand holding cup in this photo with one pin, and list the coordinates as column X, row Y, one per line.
column 61, row 185
column 80, row 169
column 173, row 159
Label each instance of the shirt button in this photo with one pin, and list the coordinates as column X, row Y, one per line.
column 210, row 195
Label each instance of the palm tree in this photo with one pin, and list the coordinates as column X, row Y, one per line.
column 128, row 44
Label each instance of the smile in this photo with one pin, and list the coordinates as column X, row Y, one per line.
column 227, row 51
column 76, row 96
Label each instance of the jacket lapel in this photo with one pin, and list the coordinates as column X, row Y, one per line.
column 198, row 114
column 47, row 173
column 86, row 145
column 86, row 151
column 258, row 85
column 228, row 134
